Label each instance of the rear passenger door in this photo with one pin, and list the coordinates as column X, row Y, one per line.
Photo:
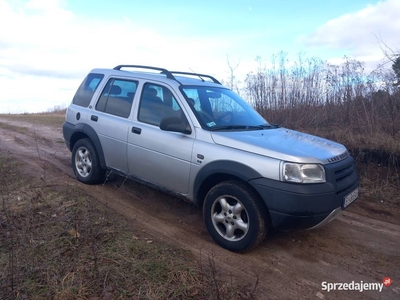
column 110, row 119
column 160, row 157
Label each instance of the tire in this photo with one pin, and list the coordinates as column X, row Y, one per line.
column 234, row 216
column 86, row 163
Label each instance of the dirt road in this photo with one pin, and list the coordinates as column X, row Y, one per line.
column 361, row 246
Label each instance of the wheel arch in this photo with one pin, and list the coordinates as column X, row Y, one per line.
column 82, row 131
column 219, row 171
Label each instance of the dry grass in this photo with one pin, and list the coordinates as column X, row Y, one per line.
column 49, row 119
column 368, row 141
column 58, row 243
column 13, row 128
column 378, row 147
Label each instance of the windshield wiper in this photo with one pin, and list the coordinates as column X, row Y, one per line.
column 228, row 127
column 244, row 127
column 263, row 126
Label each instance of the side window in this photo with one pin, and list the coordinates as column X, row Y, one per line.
column 157, row 103
column 117, row 97
column 86, row 90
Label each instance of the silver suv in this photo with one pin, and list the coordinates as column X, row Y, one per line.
column 188, row 134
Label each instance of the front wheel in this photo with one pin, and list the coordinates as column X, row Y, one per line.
column 86, row 163
column 234, row 216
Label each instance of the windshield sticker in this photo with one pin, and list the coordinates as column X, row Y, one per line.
column 211, row 124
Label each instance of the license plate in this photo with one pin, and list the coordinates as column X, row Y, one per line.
column 350, row 198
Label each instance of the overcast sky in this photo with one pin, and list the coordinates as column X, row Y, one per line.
column 48, row 46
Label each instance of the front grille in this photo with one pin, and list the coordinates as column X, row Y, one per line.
column 343, row 174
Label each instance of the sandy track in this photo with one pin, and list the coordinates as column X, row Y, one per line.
column 287, row 265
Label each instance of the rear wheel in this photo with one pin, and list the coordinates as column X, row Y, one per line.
column 86, row 163
column 234, row 216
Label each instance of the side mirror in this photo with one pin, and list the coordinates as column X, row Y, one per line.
column 175, row 124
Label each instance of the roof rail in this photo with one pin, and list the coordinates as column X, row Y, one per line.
column 163, row 71
column 196, row 74
column 167, row 73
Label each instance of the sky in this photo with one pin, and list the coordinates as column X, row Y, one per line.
column 47, row 47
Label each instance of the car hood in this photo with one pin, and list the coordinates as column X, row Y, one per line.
column 283, row 144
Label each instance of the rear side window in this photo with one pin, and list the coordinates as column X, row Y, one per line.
column 86, row 90
column 117, row 97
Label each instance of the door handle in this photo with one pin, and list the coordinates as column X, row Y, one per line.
column 137, row 130
column 94, row 118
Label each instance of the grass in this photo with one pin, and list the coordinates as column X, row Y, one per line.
column 58, row 243
column 366, row 147
column 18, row 129
column 50, row 119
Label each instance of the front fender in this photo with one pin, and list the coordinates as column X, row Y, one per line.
column 218, row 171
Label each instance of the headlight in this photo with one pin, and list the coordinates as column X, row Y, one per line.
column 303, row 173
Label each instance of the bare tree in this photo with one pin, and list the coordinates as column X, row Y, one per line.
column 231, row 73
column 390, row 55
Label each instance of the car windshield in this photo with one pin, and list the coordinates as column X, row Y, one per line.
column 221, row 109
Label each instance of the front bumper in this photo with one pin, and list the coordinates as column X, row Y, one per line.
column 332, row 216
column 304, row 206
